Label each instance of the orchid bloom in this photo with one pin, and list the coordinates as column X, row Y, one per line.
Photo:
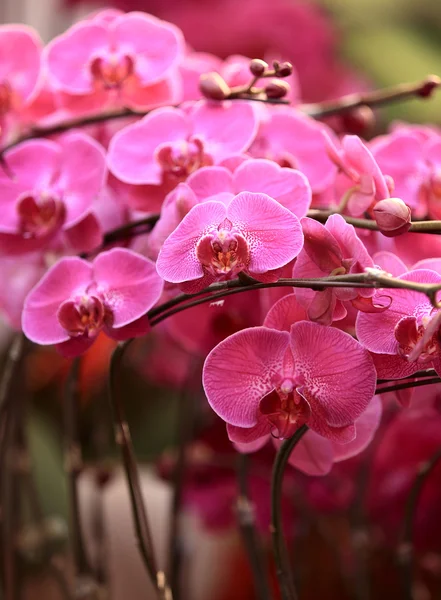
column 169, row 144
column 215, row 242
column 76, row 299
column 51, row 195
column 406, row 337
column 124, row 59
column 331, row 249
column 263, row 381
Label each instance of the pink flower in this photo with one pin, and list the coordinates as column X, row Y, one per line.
column 262, row 381
column 51, row 194
column 19, row 70
column 293, row 140
column 314, row 453
column 169, row 144
column 406, row 337
column 361, row 178
column 289, row 187
column 331, row 249
column 215, row 242
column 76, row 299
column 414, row 162
column 124, row 59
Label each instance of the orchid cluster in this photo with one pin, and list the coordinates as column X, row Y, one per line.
column 229, row 223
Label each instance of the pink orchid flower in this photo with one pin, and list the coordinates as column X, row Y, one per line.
column 19, row 70
column 123, row 59
column 414, row 162
column 214, row 242
column 361, row 181
column 51, row 194
column 167, row 145
column 294, row 140
column 263, row 381
column 331, row 249
column 405, row 338
column 76, row 299
column 314, row 454
column 289, row 187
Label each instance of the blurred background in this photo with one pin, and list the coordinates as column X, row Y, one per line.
column 337, row 47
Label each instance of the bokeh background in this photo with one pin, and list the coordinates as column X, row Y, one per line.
column 338, row 47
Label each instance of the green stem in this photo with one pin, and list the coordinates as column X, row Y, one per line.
column 281, row 558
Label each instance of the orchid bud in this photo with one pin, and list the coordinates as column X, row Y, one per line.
column 283, row 69
column 258, row 67
column 213, row 86
column 276, row 89
column 393, row 216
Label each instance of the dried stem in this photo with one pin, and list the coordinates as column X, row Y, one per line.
column 124, row 441
column 405, row 549
column 73, row 465
column 281, row 558
column 245, row 516
column 402, row 91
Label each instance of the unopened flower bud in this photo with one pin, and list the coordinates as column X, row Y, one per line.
column 213, row 86
column 393, row 216
column 283, row 69
column 258, row 67
column 277, row 89
column 358, row 121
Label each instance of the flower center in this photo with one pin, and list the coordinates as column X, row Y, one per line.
column 112, row 71
column 84, row 316
column 225, row 252
column 285, row 409
column 179, row 159
column 39, row 215
column 411, row 332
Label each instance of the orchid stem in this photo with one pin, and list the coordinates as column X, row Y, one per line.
column 124, row 441
column 405, row 549
column 281, row 558
column 73, row 464
column 402, row 91
column 245, row 514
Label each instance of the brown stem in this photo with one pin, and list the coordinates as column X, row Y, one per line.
column 433, row 227
column 245, row 516
column 281, row 558
column 410, row 384
column 402, row 91
column 73, row 465
column 405, row 549
column 124, row 441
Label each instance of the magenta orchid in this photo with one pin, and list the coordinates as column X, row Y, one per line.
column 406, row 337
column 50, row 198
column 169, row 144
column 361, row 182
column 76, row 299
column 263, row 381
column 115, row 58
column 331, row 249
column 293, row 140
column 253, row 234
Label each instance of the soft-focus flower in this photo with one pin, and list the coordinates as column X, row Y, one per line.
column 392, row 216
column 19, row 70
column 406, row 337
column 361, row 181
column 124, row 59
column 76, row 299
column 331, row 249
column 263, row 381
column 294, row 140
column 51, row 194
column 214, row 242
column 167, row 145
